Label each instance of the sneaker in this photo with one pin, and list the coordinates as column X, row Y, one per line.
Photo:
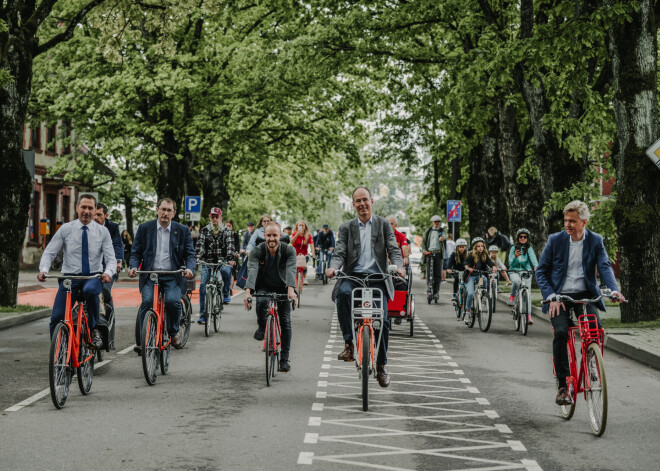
column 453, row 297
column 468, row 317
column 511, row 298
column 97, row 341
column 529, row 319
column 226, row 300
column 499, row 290
column 176, row 339
column 201, row 320
column 259, row 334
column 305, row 282
column 285, row 366
column 563, row 399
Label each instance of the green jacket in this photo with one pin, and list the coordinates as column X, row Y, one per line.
column 425, row 242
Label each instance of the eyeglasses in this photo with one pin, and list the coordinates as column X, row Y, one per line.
column 266, row 221
column 522, row 236
column 165, row 210
column 214, row 216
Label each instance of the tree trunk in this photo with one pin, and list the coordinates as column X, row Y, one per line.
column 214, row 185
column 485, row 190
column 633, row 52
column 454, row 195
column 15, row 184
column 128, row 205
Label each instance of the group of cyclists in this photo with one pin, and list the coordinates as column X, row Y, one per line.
column 365, row 245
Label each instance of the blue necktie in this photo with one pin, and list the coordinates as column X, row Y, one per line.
column 85, row 252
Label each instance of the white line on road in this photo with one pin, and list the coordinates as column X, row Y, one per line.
column 305, row 457
column 126, row 350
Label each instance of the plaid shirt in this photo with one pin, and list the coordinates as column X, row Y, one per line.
column 210, row 247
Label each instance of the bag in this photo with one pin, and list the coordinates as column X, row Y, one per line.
column 241, row 278
column 301, row 261
column 506, row 245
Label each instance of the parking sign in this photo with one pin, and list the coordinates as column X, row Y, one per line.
column 193, row 204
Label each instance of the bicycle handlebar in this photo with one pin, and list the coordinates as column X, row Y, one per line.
column 273, row 296
column 216, row 264
column 161, row 272
column 75, row 277
column 560, row 298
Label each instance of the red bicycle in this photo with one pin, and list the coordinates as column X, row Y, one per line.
column 71, row 347
column 590, row 378
column 154, row 338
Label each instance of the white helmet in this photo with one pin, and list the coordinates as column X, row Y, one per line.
column 493, row 248
column 462, row 242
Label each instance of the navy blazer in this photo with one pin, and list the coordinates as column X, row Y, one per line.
column 553, row 265
column 117, row 243
column 182, row 251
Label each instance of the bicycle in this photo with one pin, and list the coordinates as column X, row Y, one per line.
column 461, row 296
column 154, row 338
column 322, row 260
column 301, row 266
column 71, row 346
column 482, row 307
column 367, row 315
column 184, row 324
column 430, row 295
column 273, row 333
column 521, row 303
column 493, row 279
column 590, row 379
column 213, row 305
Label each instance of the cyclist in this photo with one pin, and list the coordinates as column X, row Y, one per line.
column 493, row 250
column 363, row 246
column 272, row 269
column 85, row 245
column 433, row 249
column 450, row 247
column 457, row 262
column 246, row 239
column 568, row 266
column 522, row 257
column 477, row 259
column 165, row 245
column 229, row 224
column 215, row 243
column 101, row 217
column 300, row 240
column 401, row 240
column 325, row 245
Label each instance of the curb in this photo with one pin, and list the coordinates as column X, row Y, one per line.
column 24, row 317
column 611, row 342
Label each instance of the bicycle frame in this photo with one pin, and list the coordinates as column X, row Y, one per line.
column 580, row 380
column 73, row 347
column 367, row 312
column 159, row 309
column 277, row 339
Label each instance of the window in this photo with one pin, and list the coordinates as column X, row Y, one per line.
column 51, row 136
column 35, row 138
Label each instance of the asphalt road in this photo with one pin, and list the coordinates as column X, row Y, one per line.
column 459, row 399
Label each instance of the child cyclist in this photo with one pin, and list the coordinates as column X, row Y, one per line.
column 477, row 259
column 493, row 250
column 457, row 263
column 521, row 257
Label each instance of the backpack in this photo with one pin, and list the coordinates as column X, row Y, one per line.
column 506, row 245
column 241, row 278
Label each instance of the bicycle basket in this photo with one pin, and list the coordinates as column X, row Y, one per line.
column 589, row 329
column 301, row 261
column 367, row 303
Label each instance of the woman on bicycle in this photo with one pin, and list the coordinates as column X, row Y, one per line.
column 457, row 263
column 521, row 257
column 258, row 234
column 301, row 240
column 493, row 250
column 477, row 259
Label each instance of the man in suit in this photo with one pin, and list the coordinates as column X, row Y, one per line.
column 164, row 245
column 568, row 267
column 362, row 248
column 101, row 217
column 85, row 244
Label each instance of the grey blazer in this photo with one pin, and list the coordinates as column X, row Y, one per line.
column 285, row 258
column 383, row 243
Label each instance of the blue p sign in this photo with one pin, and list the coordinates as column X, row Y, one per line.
column 193, row 204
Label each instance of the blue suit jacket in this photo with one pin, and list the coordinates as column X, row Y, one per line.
column 182, row 251
column 553, row 265
column 117, row 243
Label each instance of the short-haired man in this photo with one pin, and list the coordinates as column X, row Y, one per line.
column 163, row 245
column 568, row 266
column 272, row 269
column 325, row 245
column 86, row 244
column 215, row 243
column 246, row 240
column 101, row 217
column 433, row 250
column 401, row 239
column 363, row 247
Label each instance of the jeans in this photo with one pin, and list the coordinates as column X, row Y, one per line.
column 91, row 290
column 284, row 314
column 225, row 273
column 344, row 315
column 171, row 290
column 560, row 325
column 470, row 289
column 323, row 254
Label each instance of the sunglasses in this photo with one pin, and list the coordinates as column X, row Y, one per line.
column 214, row 216
column 522, row 236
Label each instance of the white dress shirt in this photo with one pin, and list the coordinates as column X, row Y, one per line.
column 162, row 257
column 574, row 282
column 366, row 261
column 69, row 236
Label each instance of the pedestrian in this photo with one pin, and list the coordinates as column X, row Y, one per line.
column 246, row 240
column 127, row 240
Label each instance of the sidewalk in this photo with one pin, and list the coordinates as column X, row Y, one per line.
column 642, row 345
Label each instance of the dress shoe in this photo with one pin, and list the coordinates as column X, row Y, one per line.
column 176, row 339
column 347, row 354
column 285, row 367
column 259, row 334
column 97, row 341
column 382, row 375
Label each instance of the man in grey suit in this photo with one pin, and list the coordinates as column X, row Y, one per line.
column 362, row 248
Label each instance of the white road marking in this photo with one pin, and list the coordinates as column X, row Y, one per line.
column 503, row 428
column 126, row 350
column 531, row 465
column 314, row 422
column 305, row 457
column 516, row 445
column 312, row 438
column 317, row 406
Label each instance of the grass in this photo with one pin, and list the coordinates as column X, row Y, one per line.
column 617, row 324
column 21, row 308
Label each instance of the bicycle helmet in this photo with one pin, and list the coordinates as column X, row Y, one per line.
column 461, row 242
column 522, row 231
column 477, row 239
column 493, row 248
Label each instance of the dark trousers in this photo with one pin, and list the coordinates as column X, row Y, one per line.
column 284, row 314
column 344, row 315
column 561, row 323
column 91, row 290
column 171, row 290
column 437, row 261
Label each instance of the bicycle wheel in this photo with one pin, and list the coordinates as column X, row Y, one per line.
column 411, row 310
column 85, row 371
column 485, row 312
column 164, row 354
column 186, row 321
column 597, row 393
column 270, row 338
column 475, row 310
column 150, row 347
column 523, row 312
column 493, row 295
column 217, row 312
column 209, row 308
column 299, row 285
column 364, row 367
column 138, row 328
column 58, row 368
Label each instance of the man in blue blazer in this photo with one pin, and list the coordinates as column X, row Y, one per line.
column 568, row 267
column 163, row 245
column 101, row 217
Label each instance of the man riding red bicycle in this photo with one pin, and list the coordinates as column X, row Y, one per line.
column 568, row 267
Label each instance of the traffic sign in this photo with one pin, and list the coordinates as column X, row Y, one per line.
column 193, row 204
column 653, row 153
column 453, row 211
column 193, row 216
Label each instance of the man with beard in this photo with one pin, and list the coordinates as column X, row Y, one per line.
column 272, row 269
